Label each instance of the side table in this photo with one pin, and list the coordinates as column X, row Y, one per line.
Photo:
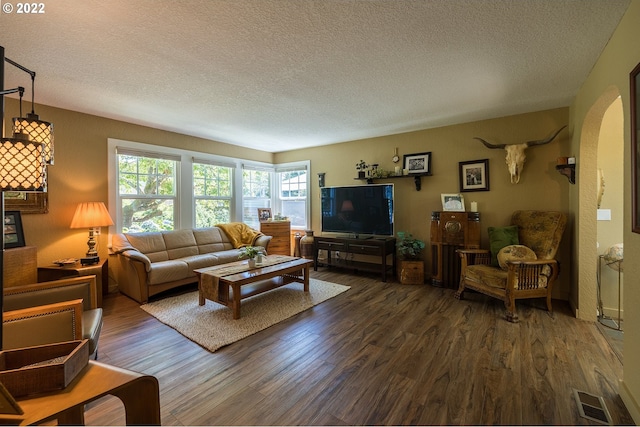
column 139, row 393
column 100, row 270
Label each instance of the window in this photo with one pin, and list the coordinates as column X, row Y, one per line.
column 212, row 193
column 293, row 191
column 147, row 191
column 256, row 193
column 154, row 188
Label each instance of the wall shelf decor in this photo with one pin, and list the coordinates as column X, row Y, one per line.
column 417, row 179
column 569, row 171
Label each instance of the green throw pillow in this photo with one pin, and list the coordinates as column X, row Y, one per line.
column 499, row 237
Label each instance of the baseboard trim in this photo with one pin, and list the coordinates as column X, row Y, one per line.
column 629, row 401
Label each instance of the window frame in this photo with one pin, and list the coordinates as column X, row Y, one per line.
column 185, row 206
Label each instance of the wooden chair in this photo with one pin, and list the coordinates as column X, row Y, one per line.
column 20, row 301
column 541, row 231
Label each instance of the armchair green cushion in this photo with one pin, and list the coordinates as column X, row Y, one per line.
column 500, row 237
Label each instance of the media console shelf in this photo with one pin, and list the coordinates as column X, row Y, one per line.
column 380, row 247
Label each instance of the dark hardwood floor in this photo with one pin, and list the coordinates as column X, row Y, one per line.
column 381, row 353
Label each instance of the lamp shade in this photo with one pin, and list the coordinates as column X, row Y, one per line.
column 22, row 166
column 39, row 131
column 91, row 214
column 347, row 206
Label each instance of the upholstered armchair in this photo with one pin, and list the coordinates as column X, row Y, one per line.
column 49, row 312
column 521, row 263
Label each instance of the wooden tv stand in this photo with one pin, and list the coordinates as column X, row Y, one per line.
column 380, row 247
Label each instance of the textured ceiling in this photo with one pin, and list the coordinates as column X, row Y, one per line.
column 276, row 75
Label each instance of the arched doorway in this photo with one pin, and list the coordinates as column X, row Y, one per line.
column 587, row 228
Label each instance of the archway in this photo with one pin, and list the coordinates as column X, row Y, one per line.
column 587, row 206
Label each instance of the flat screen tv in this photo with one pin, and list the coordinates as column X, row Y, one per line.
column 358, row 209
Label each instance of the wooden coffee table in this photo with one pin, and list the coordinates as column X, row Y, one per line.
column 230, row 283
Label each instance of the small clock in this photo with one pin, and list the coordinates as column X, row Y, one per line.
column 395, row 157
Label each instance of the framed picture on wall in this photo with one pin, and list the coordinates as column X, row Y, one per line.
column 418, row 163
column 13, row 234
column 474, row 175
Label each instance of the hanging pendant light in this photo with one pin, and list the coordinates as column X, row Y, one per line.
column 38, row 130
column 22, row 165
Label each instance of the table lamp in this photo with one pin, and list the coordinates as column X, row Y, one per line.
column 91, row 215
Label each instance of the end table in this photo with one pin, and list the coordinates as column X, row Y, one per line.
column 100, row 270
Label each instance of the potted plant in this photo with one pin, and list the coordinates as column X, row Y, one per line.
column 361, row 167
column 408, row 246
column 251, row 253
column 411, row 267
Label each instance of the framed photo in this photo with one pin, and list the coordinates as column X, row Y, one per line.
column 264, row 214
column 634, row 77
column 474, row 175
column 452, row 202
column 13, row 234
column 26, row 202
column 418, row 163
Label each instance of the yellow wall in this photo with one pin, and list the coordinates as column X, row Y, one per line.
column 80, row 173
column 541, row 186
column 610, row 157
column 608, row 78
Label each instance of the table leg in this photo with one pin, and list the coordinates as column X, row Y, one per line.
column 72, row 417
column 200, row 294
column 236, row 301
column 141, row 399
column 306, row 278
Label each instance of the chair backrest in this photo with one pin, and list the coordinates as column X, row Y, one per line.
column 83, row 287
column 44, row 324
column 540, row 230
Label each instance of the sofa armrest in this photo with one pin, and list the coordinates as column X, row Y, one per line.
column 263, row 240
column 44, row 324
column 135, row 255
column 473, row 257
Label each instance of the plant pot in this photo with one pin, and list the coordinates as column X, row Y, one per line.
column 361, row 175
column 411, row 272
column 252, row 263
column 306, row 244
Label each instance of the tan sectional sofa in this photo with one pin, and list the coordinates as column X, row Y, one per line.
column 150, row 263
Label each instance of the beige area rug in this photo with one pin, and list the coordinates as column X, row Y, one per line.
column 212, row 325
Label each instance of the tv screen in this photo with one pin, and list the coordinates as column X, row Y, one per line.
column 358, row 209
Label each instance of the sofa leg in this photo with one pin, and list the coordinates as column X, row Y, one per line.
column 549, row 307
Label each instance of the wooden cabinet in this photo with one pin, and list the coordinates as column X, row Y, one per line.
column 280, row 244
column 451, row 231
column 100, row 270
column 411, row 272
column 20, row 266
column 380, row 248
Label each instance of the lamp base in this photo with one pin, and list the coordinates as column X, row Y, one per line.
column 90, row 260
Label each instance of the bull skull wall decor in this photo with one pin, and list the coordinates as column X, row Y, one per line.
column 515, row 153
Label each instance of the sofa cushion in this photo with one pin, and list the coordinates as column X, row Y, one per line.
column 150, row 244
column 201, row 261
column 180, row 243
column 167, row 271
column 515, row 253
column 499, row 237
column 211, row 240
column 232, row 255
